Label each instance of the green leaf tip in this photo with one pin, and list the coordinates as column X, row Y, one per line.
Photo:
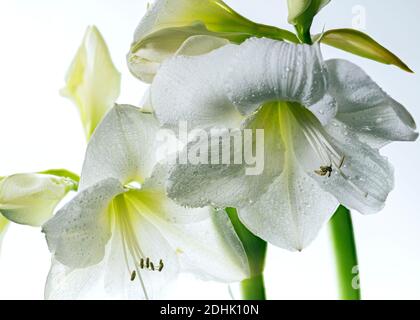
column 359, row 43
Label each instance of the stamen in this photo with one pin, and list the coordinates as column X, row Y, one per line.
column 134, row 258
column 133, row 275
column 129, row 242
column 341, row 162
column 149, row 265
column 160, row 265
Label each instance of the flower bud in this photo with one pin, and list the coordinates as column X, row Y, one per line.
column 168, row 24
column 302, row 13
column 31, row 198
column 92, row 82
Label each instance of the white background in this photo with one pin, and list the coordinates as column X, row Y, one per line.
column 40, row 130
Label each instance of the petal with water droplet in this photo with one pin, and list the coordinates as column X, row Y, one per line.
column 366, row 109
column 123, row 147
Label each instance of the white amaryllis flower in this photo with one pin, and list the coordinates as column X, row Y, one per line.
column 190, row 27
column 30, row 198
column 323, row 124
column 92, row 81
column 121, row 236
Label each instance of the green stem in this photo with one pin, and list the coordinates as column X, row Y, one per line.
column 304, row 34
column 344, row 245
column 255, row 248
column 253, row 288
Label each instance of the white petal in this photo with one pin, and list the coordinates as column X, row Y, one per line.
column 31, row 198
column 209, row 248
column 111, row 278
column 366, row 109
column 200, row 44
column 210, row 89
column 193, row 89
column 361, row 178
column 154, row 197
column 325, row 109
column 231, row 184
column 64, row 283
column 92, row 81
column 78, row 233
column 292, row 211
column 153, row 245
column 123, row 147
column 209, row 245
column 366, row 177
column 265, row 70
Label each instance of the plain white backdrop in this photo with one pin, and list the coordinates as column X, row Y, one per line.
column 40, row 130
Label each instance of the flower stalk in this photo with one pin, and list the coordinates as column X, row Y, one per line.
column 255, row 248
column 344, row 245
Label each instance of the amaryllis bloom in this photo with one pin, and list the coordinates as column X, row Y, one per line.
column 190, row 27
column 121, row 236
column 323, row 123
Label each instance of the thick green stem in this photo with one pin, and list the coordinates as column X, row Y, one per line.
column 304, row 34
column 344, row 245
column 253, row 288
column 255, row 248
